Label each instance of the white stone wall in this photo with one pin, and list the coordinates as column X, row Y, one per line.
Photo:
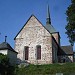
column 31, row 35
column 70, row 57
column 3, row 52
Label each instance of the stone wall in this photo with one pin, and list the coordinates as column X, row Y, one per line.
column 70, row 57
column 57, row 37
column 4, row 51
column 54, row 51
column 31, row 35
column 12, row 57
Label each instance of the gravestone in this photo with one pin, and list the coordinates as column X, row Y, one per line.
column 59, row 73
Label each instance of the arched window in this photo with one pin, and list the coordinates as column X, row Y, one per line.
column 26, row 52
column 38, row 47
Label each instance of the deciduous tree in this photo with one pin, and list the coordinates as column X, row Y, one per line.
column 70, row 27
column 5, row 67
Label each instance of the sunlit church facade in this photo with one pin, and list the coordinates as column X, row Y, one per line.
column 40, row 44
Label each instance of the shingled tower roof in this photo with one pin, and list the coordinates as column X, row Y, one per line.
column 48, row 26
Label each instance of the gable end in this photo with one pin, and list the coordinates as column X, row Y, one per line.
column 26, row 23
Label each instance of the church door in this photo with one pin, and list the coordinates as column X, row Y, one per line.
column 26, row 52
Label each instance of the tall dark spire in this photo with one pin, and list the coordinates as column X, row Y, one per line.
column 48, row 20
column 48, row 25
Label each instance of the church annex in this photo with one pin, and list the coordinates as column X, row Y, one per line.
column 37, row 43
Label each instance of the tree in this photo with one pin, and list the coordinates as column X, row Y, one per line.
column 5, row 67
column 70, row 27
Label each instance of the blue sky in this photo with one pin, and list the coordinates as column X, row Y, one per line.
column 15, row 13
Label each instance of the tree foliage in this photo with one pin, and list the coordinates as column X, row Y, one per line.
column 5, row 67
column 70, row 27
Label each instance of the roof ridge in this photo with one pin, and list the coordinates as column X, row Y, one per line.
column 66, row 45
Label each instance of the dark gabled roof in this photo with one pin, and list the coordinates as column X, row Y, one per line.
column 67, row 49
column 50, row 28
column 5, row 45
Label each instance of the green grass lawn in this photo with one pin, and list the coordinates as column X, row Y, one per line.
column 66, row 68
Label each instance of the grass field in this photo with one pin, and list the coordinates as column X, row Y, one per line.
column 50, row 69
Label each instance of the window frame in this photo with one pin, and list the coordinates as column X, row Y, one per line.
column 26, row 55
column 38, row 50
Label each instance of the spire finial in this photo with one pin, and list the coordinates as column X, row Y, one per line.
column 5, row 38
column 48, row 20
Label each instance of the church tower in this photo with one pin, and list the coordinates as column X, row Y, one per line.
column 50, row 28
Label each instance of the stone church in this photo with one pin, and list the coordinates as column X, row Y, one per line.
column 39, row 44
